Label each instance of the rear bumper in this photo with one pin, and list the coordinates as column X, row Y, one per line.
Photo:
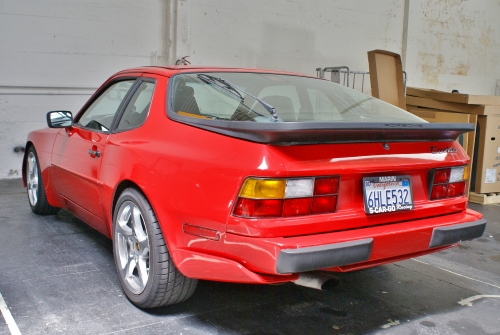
column 266, row 260
column 346, row 253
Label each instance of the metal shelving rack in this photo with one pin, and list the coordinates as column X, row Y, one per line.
column 342, row 75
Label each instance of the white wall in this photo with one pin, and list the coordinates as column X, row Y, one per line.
column 454, row 44
column 54, row 53
column 295, row 35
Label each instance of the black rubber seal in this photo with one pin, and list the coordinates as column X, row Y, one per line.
column 457, row 233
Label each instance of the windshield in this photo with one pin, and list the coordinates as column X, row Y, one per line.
column 252, row 97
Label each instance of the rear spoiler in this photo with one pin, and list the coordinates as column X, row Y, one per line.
column 298, row 133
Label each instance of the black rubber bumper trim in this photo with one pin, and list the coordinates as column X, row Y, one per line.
column 456, row 233
column 325, row 256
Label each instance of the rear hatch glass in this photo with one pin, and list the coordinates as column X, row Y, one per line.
column 239, row 97
column 291, row 109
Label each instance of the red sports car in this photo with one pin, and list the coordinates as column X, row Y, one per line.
column 249, row 176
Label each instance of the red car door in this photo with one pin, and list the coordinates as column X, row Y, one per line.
column 76, row 161
column 78, row 152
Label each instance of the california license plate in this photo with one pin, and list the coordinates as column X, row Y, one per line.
column 387, row 194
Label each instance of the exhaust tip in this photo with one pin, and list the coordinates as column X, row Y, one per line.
column 318, row 281
column 330, row 284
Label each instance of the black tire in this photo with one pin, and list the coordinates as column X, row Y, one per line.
column 35, row 186
column 164, row 284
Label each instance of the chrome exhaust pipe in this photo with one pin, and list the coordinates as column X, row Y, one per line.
column 317, row 280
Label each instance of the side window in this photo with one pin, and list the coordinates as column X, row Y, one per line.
column 138, row 108
column 100, row 114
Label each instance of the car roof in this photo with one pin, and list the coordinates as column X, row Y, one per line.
column 172, row 70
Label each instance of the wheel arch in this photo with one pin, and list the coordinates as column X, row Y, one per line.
column 28, row 145
column 122, row 186
column 168, row 285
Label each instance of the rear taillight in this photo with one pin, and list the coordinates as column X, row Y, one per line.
column 262, row 197
column 449, row 182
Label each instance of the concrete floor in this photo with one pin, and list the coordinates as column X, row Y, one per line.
column 57, row 276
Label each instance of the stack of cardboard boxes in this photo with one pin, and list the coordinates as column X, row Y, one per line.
column 483, row 146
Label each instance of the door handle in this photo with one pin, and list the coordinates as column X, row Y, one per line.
column 94, row 153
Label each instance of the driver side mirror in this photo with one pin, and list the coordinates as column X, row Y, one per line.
column 59, row 119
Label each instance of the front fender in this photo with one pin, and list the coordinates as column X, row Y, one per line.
column 43, row 142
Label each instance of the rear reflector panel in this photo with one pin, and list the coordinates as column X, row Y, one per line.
column 439, row 191
column 258, row 208
column 294, row 207
column 456, row 189
column 442, row 176
column 325, row 204
column 324, row 186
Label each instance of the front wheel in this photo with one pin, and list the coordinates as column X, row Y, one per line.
column 147, row 273
column 36, row 191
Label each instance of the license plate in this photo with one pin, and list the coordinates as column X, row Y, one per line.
column 387, row 194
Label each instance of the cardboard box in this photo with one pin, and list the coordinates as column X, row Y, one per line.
column 453, row 106
column 453, row 97
column 386, row 77
column 434, row 115
column 466, row 140
column 486, row 167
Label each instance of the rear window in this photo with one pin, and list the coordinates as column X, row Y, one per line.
column 262, row 97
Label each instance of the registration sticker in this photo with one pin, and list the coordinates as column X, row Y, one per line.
column 387, row 194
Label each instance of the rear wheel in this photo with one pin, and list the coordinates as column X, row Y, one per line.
column 36, row 191
column 147, row 273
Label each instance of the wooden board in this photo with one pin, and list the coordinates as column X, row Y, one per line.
column 484, row 199
column 386, row 77
column 453, row 106
column 470, row 148
column 454, row 97
column 472, row 139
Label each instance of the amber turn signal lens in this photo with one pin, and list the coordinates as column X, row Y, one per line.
column 466, row 172
column 263, row 188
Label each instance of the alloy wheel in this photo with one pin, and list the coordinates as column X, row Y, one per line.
column 132, row 247
column 32, row 178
